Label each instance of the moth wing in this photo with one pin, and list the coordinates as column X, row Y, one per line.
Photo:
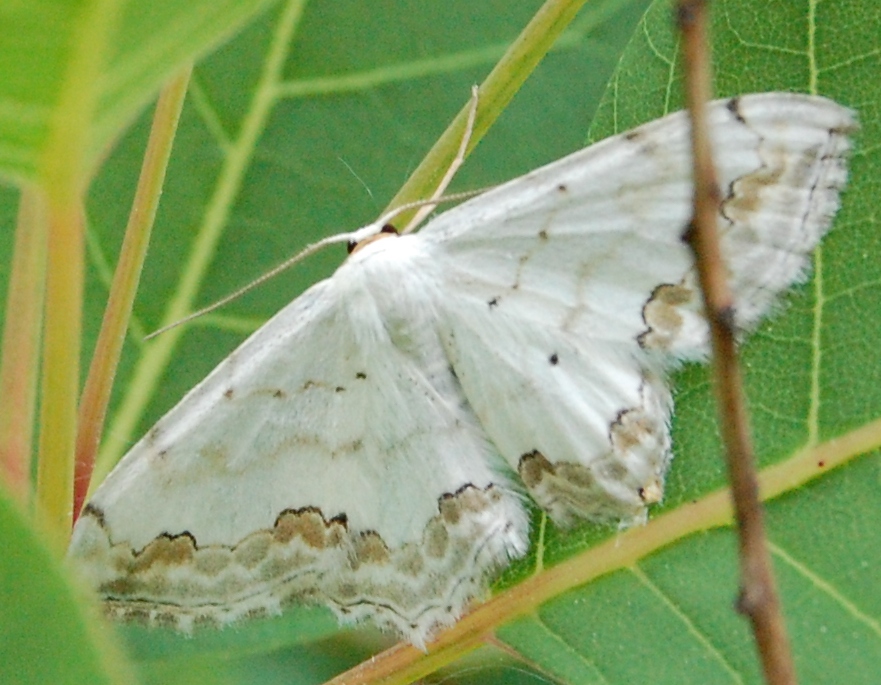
column 318, row 461
column 571, row 290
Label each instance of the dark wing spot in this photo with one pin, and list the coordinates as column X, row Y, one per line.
column 687, row 233
column 166, row 549
column 95, row 512
column 361, row 375
column 554, row 359
column 563, row 188
column 493, row 302
column 532, row 468
column 370, row 548
column 733, row 106
column 279, row 394
column 340, row 388
column 542, row 235
column 228, row 393
column 340, row 519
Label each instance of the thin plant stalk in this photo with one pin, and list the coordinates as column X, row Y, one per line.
column 494, row 94
column 63, row 175
column 96, row 394
column 19, row 357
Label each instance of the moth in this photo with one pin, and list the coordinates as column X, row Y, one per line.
column 371, row 447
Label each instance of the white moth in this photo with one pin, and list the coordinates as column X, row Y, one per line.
column 368, row 447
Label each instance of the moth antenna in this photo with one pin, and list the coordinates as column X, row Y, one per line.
column 427, row 206
column 313, row 248
column 434, row 202
column 457, row 162
column 301, row 255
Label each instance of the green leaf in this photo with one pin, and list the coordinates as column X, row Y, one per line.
column 137, row 46
column 45, row 634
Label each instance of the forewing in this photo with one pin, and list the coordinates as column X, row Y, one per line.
column 572, row 290
column 318, row 461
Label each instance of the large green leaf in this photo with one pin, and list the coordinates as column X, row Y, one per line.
column 126, row 50
column 46, row 635
column 365, row 89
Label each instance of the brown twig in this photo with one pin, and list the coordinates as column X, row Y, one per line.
column 758, row 598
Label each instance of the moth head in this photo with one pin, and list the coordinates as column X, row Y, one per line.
column 368, row 234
